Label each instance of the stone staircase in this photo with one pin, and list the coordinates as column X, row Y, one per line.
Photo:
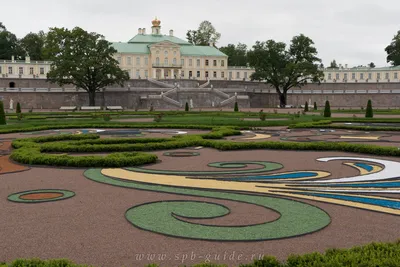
column 233, row 99
column 204, row 85
column 164, row 85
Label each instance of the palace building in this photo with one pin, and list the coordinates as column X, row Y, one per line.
column 155, row 55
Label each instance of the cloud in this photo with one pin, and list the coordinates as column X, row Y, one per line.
column 353, row 32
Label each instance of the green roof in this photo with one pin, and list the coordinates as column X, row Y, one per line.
column 194, row 50
column 152, row 38
column 131, row 48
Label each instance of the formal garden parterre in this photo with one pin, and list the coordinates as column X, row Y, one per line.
column 198, row 188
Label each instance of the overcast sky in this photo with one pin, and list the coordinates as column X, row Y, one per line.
column 353, row 32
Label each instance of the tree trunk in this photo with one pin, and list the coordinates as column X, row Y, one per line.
column 92, row 96
column 282, row 99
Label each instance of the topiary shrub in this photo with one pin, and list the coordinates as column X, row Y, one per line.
column 236, row 108
column 306, row 107
column 327, row 110
column 315, row 106
column 369, row 113
column 18, row 110
column 2, row 114
column 106, row 117
column 186, row 107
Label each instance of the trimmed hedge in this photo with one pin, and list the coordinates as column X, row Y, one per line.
column 372, row 255
column 2, row 114
column 327, row 110
column 32, row 150
column 369, row 112
column 18, row 110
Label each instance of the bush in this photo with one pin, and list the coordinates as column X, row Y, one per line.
column 106, row 117
column 327, row 110
column 369, row 112
column 315, row 106
column 18, row 110
column 186, row 107
column 2, row 114
column 236, row 108
column 306, row 107
column 263, row 116
column 158, row 117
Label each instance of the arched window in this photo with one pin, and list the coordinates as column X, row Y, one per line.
column 174, row 61
column 12, row 84
column 166, row 61
column 158, row 61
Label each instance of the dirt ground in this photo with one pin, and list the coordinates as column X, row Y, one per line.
column 91, row 228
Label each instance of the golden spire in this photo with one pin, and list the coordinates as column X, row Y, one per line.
column 156, row 22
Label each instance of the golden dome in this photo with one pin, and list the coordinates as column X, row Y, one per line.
column 156, row 22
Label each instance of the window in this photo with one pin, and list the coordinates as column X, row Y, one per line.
column 146, row 73
column 198, row 63
column 137, row 74
column 31, row 70
column 174, row 53
column 215, row 74
column 137, row 61
column 337, row 76
column 353, row 76
column 345, row 77
column 157, row 52
column 222, row 63
column 369, row 76
column 361, row 76
column 42, row 70
column 166, row 61
column 215, row 63
column 230, row 75
column 329, row 76
column 174, row 61
column 119, row 59
column 206, row 62
column 182, row 62
column 146, row 61
column 387, row 75
column 0, row 69
column 206, row 74
column 158, row 61
column 129, row 61
column 198, row 74
column 378, row 76
column 166, row 52
column 21, row 70
column 190, row 62
column 222, row 74
column 238, row 75
column 395, row 74
column 182, row 73
column 10, row 70
column 190, row 73
column 245, row 75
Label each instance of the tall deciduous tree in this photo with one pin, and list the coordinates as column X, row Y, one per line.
column 284, row 68
column 237, row 55
column 9, row 45
column 393, row 50
column 82, row 59
column 33, row 44
column 333, row 65
column 204, row 35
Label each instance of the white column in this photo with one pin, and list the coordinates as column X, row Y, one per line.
column 154, row 73
column 162, row 74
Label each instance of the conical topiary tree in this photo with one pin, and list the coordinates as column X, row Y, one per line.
column 2, row 114
column 18, row 110
column 369, row 113
column 236, row 108
column 306, row 107
column 327, row 110
column 315, row 106
column 186, row 107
